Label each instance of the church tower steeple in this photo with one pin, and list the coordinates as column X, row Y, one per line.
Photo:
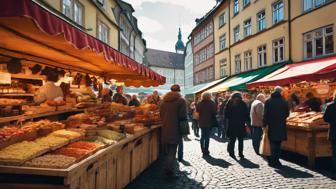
column 179, row 46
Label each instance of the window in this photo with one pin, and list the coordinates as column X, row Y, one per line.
column 319, row 42
column 247, row 28
column 103, row 31
column 203, row 34
column 78, row 13
column 73, row 10
column 222, row 42
column 237, row 63
column 247, row 60
column 319, row 2
column 236, row 32
column 307, row 5
column 222, row 20
column 236, row 7
column 246, row 3
column 278, row 51
column 261, row 20
column 101, row 2
column 262, row 56
column 67, row 7
column 210, row 52
column 278, row 12
column 222, row 65
column 311, row 4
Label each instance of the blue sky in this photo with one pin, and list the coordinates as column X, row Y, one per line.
column 159, row 19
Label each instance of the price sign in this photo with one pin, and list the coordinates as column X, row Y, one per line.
column 5, row 78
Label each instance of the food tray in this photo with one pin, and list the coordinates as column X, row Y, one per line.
column 20, row 162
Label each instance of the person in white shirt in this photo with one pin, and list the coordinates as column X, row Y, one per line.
column 256, row 115
column 49, row 91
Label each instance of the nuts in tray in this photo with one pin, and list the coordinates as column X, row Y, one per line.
column 51, row 161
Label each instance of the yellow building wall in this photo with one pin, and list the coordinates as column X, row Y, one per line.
column 92, row 14
column 217, row 33
column 265, row 38
column 257, row 39
column 315, row 19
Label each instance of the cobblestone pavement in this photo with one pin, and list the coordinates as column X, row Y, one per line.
column 221, row 171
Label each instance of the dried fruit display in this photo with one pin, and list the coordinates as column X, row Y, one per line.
column 84, row 145
column 73, row 152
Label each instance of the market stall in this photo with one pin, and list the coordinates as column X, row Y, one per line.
column 307, row 132
column 75, row 140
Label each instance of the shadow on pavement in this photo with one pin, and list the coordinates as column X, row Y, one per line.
column 185, row 163
column 154, row 178
column 289, row 172
column 248, row 164
column 217, row 162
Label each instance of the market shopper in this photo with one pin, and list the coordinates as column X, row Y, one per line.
column 207, row 119
column 154, row 98
column 49, row 91
column 276, row 111
column 330, row 117
column 313, row 103
column 134, row 101
column 173, row 110
column 256, row 115
column 194, row 122
column 237, row 116
column 119, row 96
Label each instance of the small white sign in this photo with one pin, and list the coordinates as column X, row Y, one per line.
column 5, row 78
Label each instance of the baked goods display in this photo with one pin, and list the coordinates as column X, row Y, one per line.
column 51, row 161
column 11, row 102
column 98, row 127
column 306, row 119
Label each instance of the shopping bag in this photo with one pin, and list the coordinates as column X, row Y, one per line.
column 265, row 148
column 184, row 127
column 195, row 115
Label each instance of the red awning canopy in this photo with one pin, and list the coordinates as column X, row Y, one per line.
column 30, row 32
column 304, row 71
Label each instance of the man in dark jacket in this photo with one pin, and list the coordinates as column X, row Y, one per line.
column 276, row 111
column 237, row 116
column 207, row 110
column 330, row 117
column 173, row 110
column 134, row 101
column 119, row 96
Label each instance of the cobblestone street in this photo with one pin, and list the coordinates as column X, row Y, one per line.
column 221, row 171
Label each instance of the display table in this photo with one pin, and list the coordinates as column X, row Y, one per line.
column 308, row 141
column 112, row 167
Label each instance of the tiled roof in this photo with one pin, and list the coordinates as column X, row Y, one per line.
column 164, row 59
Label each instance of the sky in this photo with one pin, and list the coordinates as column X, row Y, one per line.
column 159, row 19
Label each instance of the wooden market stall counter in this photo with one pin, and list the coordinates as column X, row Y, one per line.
column 311, row 142
column 112, row 167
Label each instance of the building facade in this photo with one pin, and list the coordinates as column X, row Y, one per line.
column 167, row 64
column 250, row 34
column 110, row 21
column 94, row 17
column 188, row 66
column 131, row 42
column 203, row 49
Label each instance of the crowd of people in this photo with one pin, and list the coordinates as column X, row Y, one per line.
column 235, row 116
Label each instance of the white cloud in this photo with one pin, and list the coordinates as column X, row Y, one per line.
column 148, row 25
column 196, row 6
column 154, row 43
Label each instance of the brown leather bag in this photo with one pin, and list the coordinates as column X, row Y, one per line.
column 195, row 115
